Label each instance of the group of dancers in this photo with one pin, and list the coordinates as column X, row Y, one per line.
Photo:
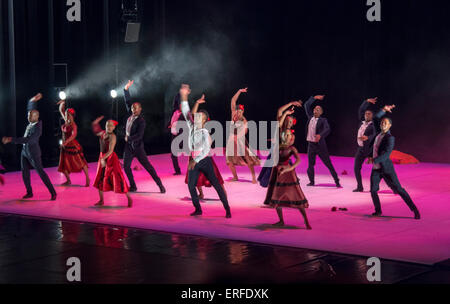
column 375, row 144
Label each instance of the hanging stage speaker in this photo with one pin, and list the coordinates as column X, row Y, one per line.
column 132, row 34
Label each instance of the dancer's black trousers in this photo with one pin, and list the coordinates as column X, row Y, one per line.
column 29, row 163
column 391, row 179
column 314, row 150
column 206, row 167
column 141, row 156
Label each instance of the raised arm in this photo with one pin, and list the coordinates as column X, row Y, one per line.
column 364, row 106
column 32, row 103
column 202, row 100
column 236, row 98
column 62, row 109
column 308, row 105
column 282, row 119
column 185, row 108
column 287, row 106
column 127, row 96
column 98, row 131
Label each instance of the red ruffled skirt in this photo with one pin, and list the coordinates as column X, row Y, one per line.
column 111, row 178
column 72, row 158
column 203, row 181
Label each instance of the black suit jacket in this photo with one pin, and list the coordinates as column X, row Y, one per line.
column 384, row 153
column 31, row 148
column 323, row 128
column 136, row 139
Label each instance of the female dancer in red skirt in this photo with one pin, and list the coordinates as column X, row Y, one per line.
column 238, row 150
column 284, row 186
column 71, row 159
column 202, row 180
column 109, row 172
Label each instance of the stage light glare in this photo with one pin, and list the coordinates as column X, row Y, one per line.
column 62, row 95
column 114, row 94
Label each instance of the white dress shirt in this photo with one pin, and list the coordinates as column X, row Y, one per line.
column 376, row 148
column 130, row 123
column 312, row 129
column 362, row 131
column 199, row 139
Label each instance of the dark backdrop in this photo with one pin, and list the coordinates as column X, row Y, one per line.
column 281, row 50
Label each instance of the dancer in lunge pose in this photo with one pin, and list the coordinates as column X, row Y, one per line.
column 31, row 151
column 200, row 147
column 134, row 138
column 71, row 159
column 383, row 168
column 238, row 150
column 202, row 180
column 284, row 187
column 109, row 172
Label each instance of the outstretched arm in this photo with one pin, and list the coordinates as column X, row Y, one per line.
column 127, row 95
column 236, row 98
column 32, row 138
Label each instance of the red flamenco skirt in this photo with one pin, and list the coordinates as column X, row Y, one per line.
column 72, row 159
column 203, row 181
column 284, row 191
column 111, row 177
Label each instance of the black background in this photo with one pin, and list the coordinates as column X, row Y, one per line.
column 281, row 50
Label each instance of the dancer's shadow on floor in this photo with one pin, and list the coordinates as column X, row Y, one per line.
column 22, row 202
column 326, row 186
column 144, row 192
column 269, row 227
column 379, row 218
column 202, row 201
column 97, row 208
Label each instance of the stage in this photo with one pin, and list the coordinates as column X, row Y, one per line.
column 395, row 236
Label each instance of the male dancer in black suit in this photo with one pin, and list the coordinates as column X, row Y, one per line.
column 368, row 130
column 31, row 151
column 176, row 117
column 383, row 168
column 318, row 130
column 134, row 138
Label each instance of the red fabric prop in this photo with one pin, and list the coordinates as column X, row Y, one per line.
column 400, row 158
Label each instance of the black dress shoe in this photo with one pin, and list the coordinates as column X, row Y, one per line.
column 311, row 185
column 54, row 196
column 228, row 216
column 28, row 195
column 358, row 190
column 377, row 214
column 133, row 190
column 417, row 215
column 197, row 213
column 162, row 189
column 338, row 185
column 177, row 173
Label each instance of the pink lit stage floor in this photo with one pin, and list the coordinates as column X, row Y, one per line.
column 396, row 236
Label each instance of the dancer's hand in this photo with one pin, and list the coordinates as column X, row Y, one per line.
column 202, row 100
column 389, row 108
column 6, row 140
column 372, row 100
column 103, row 163
column 36, row 98
column 243, row 90
column 192, row 165
column 318, row 138
column 319, row 97
column 364, row 138
column 285, row 170
column 370, row 161
column 129, row 84
column 97, row 121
